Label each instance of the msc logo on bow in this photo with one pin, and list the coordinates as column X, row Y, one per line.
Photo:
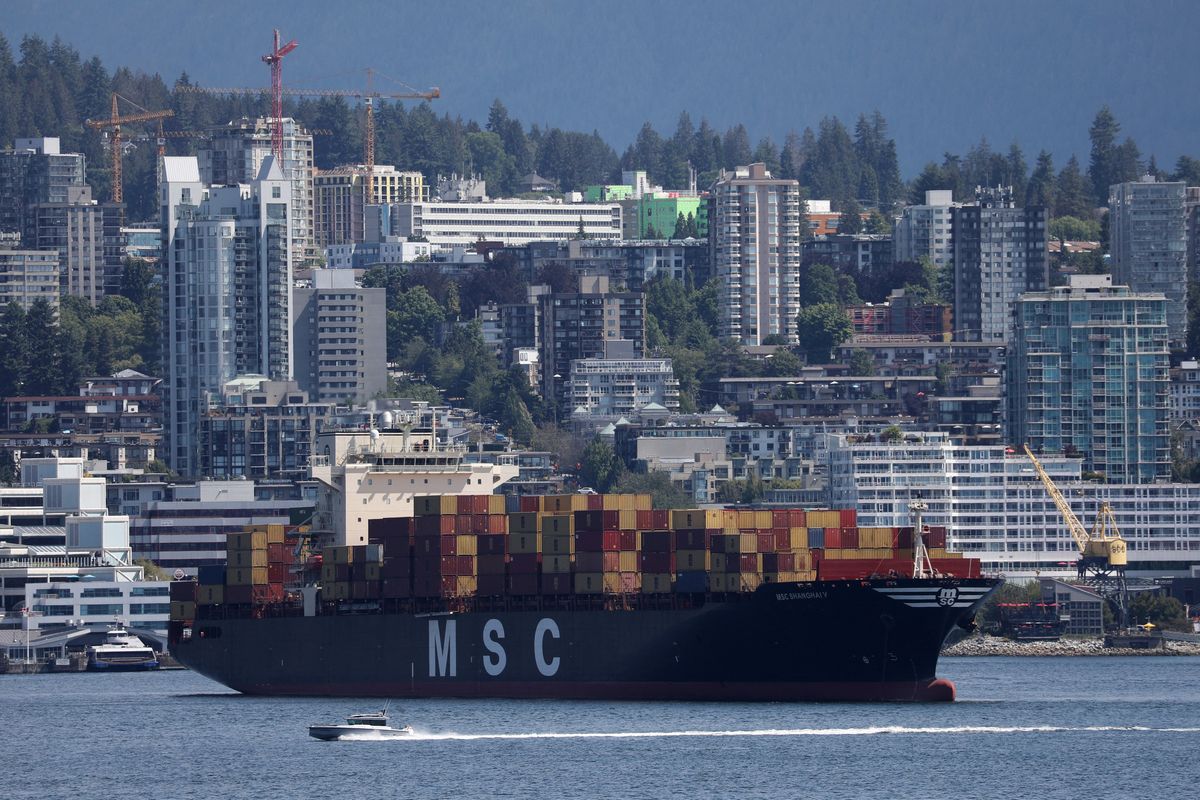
column 947, row 596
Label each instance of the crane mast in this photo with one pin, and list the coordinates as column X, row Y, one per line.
column 113, row 125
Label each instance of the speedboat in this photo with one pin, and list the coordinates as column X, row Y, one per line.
column 121, row 651
column 360, row 726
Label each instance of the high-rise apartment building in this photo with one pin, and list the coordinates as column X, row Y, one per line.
column 1088, row 376
column 227, row 278
column 236, row 154
column 35, row 171
column 754, row 236
column 999, row 253
column 925, row 231
column 339, row 338
column 340, row 201
column 87, row 236
column 1148, row 244
column 27, row 276
column 1192, row 209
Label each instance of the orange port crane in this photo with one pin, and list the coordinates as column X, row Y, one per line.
column 113, row 124
column 368, row 95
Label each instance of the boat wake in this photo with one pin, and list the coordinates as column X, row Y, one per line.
column 426, row 736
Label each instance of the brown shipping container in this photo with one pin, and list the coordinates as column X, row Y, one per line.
column 628, row 540
column 691, row 520
column 749, row 582
column 555, row 564
column 935, row 536
column 589, row 521
column 448, row 545
column 691, row 539
column 427, row 546
column 692, row 560
column 656, row 562
column 492, row 564
column 183, row 591
column 557, row 523
column 656, row 583
column 557, row 543
column 750, row 562
column 524, row 543
column 247, row 558
column 524, row 563
column 589, row 582
column 246, row 576
column 557, row 583
column 591, row 541
column 610, row 520
column 524, row 522
column 183, row 609
column 530, row 503
column 278, row 573
column 766, row 543
column 595, row 502
column 427, row 526
column 247, row 540
column 492, row 585
column 395, row 588
column 720, row 561
column 211, row 595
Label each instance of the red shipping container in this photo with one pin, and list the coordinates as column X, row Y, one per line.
column 611, row 520
column 690, row 539
column 766, row 542
column 521, row 584
column 657, row 562
column 529, row 503
column 645, row 521
column 817, row 554
column 612, row 541
column 849, row 537
column 787, row 562
column 279, row 553
column 590, row 541
column 589, row 521
column 278, row 573
column 935, row 536
column 524, row 564
column 849, row 518
column 629, row 540
column 448, row 546
column 783, row 540
column 748, row 563
column 833, row 538
column 590, row 561
column 492, row 564
column 556, row 583
column 903, row 539
column 796, row 518
column 656, row 541
column 612, row 561
column 779, row 518
column 451, row 523
column 491, row 584
column 595, row 502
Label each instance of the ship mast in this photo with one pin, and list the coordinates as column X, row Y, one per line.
column 922, row 566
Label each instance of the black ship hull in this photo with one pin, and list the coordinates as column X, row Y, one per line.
column 834, row 640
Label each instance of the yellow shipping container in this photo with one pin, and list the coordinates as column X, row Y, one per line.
column 495, row 504
column 614, row 583
column 558, row 543
column 806, row 575
column 798, row 539
column 465, row 585
column 746, row 520
column 941, row 552
column 523, row 543
column 557, row 523
column 246, row 540
column 627, row 518
column 556, row 564
column 211, row 595
column 247, row 558
column 340, row 555
column 627, row 561
column 749, row 581
column 523, row 522
column 803, row 560
column 643, row 502
column 247, row 576
column 834, row 553
column 729, row 521
column 183, row 610
column 656, row 583
column 870, row 552
column 466, row 544
column 710, row 518
column 616, row 502
column 589, row 582
column 692, row 560
column 763, row 520
column 875, row 537
column 748, row 543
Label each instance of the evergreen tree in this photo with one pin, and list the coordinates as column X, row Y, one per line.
column 1040, row 190
column 735, row 147
column 1072, row 197
column 14, row 350
column 850, row 220
column 767, row 153
column 42, row 340
column 681, row 227
column 791, row 159
column 1103, row 165
column 1127, row 164
column 1017, row 174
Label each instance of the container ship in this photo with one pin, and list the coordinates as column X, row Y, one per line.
column 584, row 596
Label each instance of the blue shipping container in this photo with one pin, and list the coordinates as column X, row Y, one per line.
column 691, row 581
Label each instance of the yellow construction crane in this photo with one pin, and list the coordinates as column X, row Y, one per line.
column 367, row 95
column 1102, row 550
column 113, row 124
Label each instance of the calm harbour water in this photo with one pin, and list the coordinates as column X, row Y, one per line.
column 1038, row 727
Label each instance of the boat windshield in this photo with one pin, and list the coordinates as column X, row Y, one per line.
column 367, row 719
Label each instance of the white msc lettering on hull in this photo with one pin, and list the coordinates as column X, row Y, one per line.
column 443, row 650
column 547, row 668
column 493, row 631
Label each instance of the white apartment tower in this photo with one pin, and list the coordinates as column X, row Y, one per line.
column 226, row 292
column 236, row 154
column 754, row 237
column 924, row 231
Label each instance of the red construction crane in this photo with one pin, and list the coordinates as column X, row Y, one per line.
column 368, row 95
column 114, row 124
column 275, row 60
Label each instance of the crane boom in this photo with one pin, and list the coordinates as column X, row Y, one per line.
column 114, row 123
column 1078, row 532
